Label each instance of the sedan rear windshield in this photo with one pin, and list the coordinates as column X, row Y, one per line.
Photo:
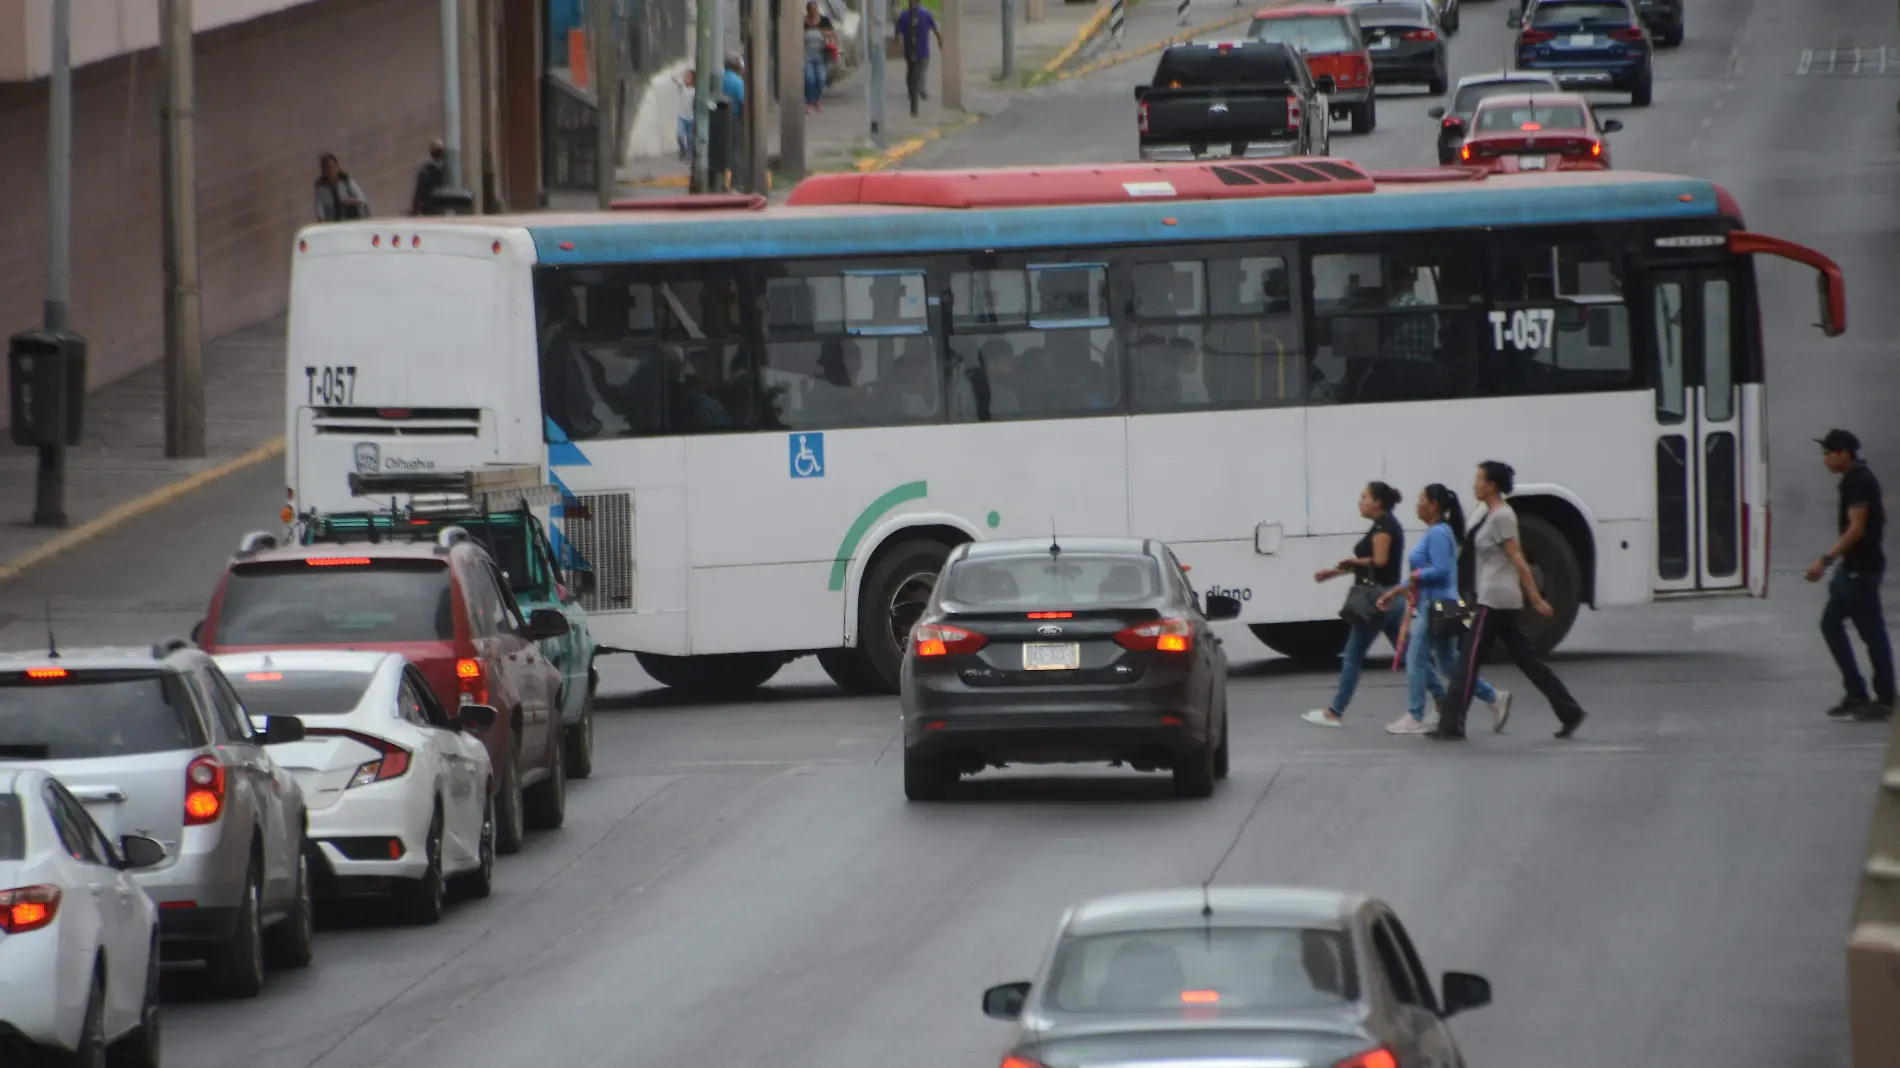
column 1580, row 13
column 1531, row 119
column 97, row 714
column 1200, row 67
column 1069, row 580
column 1197, row 969
column 1467, row 99
column 269, row 692
column 1316, row 34
column 294, row 603
column 12, row 828
column 1409, row 15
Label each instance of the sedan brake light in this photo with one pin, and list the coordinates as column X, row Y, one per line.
column 1013, row 1061
column 941, row 639
column 28, row 908
column 1453, row 122
column 1421, row 35
column 204, row 791
column 1628, row 33
column 1535, row 37
column 1372, row 1058
column 1161, row 636
column 393, row 762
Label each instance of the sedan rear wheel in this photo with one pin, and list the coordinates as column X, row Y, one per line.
column 547, row 799
column 236, row 967
column 420, row 901
column 1194, row 772
column 481, row 882
column 140, row 1049
column 292, row 943
column 92, row 1030
column 928, row 778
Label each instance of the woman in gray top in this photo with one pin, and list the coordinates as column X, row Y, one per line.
column 1504, row 583
column 817, row 54
column 338, row 195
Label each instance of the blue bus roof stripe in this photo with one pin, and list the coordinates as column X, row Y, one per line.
column 791, row 234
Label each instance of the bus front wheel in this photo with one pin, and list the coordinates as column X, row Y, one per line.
column 1313, row 642
column 713, row 675
column 1559, row 577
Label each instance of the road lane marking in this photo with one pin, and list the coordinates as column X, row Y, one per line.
column 133, row 509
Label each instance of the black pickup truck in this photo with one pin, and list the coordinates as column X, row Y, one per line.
column 1238, row 98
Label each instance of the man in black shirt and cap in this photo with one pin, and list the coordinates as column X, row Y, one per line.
column 1854, row 592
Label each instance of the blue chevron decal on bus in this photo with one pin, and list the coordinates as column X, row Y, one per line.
column 562, row 452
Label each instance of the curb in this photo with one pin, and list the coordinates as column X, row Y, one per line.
column 1151, row 49
column 132, row 509
column 899, row 153
column 1082, row 36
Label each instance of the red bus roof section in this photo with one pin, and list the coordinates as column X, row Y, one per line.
column 1022, row 187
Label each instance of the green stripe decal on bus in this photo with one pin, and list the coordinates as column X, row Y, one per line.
column 909, row 491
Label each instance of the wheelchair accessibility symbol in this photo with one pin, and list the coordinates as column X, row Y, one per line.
column 807, row 455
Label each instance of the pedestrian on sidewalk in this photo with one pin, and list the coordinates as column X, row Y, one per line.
column 431, row 176
column 338, row 195
column 916, row 26
column 1853, row 594
column 818, row 46
column 734, row 88
column 1504, row 583
column 1374, row 563
column 683, row 125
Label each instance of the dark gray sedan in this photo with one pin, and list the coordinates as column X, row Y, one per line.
column 1081, row 650
column 1246, row 977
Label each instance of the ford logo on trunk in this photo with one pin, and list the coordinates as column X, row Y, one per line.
column 1049, row 631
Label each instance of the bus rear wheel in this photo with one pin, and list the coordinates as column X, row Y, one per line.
column 851, row 669
column 1311, row 643
column 712, row 675
column 1559, row 575
column 895, row 590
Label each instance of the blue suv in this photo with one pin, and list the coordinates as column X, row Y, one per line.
column 1587, row 44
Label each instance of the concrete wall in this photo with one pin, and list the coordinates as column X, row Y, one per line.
column 103, row 29
column 361, row 78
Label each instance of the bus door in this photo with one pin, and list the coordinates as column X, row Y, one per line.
column 1699, row 429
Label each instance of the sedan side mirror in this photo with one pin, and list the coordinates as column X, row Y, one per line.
column 545, row 623
column 141, row 852
column 1326, row 84
column 1463, row 991
column 1436, row 112
column 475, row 719
column 281, row 729
column 1005, row 1002
column 1220, row 606
column 1611, row 125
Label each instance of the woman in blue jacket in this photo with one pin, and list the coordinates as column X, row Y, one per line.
column 1434, row 575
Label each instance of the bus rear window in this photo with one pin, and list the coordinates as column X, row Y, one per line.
column 292, row 603
column 96, row 714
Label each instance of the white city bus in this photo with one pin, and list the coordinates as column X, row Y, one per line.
column 771, row 425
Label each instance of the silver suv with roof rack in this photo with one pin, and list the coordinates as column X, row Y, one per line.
column 154, row 742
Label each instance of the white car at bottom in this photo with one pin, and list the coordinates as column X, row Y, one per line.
column 78, row 938
column 399, row 791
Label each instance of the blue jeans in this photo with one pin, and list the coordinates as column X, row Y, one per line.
column 1426, row 660
column 814, row 80
column 1353, row 659
column 1856, row 598
column 683, row 132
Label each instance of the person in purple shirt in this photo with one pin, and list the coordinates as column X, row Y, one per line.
column 915, row 27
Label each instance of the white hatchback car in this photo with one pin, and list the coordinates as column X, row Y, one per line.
column 78, row 938
column 400, row 793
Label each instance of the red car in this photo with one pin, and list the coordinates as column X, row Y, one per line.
column 1330, row 39
column 1530, row 132
column 446, row 607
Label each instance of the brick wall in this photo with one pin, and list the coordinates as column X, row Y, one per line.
column 361, row 78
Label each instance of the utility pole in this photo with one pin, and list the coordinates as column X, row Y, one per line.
column 491, row 167
column 469, row 53
column 758, row 94
column 952, row 60
column 707, row 80
column 184, row 324
column 877, row 42
column 791, row 89
column 49, row 483
column 606, row 56
column 451, row 94
column 1009, row 40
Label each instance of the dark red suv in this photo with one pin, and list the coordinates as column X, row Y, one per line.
column 444, row 605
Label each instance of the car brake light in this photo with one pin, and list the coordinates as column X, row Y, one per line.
column 204, row 791
column 1372, row 1058
column 28, row 908
column 337, row 561
column 1628, row 33
column 471, row 678
column 1141, row 117
column 1453, row 122
column 1161, row 636
column 1294, row 112
column 1464, row 152
column 1421, row 35
column 1052, row 615
column 1200, row 997
column 1535, row 37
column 941, row 639
column 1014, row 1061
column 1531, row 126
column 393, row 762
column 1596, row 148
column 45, row 673
column 264, row 676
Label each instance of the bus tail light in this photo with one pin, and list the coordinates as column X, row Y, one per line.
column 1161, row 636
column 471, row 678
column 941, row 639
column 1294, row 112
column 204, row 791
column 1141, row 117
column 28, row 908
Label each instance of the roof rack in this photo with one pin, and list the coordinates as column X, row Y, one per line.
column 500, row 487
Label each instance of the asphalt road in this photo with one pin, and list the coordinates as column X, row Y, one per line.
column 743, row 884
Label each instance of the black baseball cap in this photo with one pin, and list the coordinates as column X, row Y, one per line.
column 1838, row 440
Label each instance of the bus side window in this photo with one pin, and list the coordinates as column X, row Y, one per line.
column 1214, row 334
column 1557, row 318
column 1393, row 321
column 849, row 348
column 1055, row 353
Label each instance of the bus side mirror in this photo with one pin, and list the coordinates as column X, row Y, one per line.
column 1829, row 325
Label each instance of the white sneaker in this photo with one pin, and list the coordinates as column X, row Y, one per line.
column 1430, row 722
column 1501, row 711
column 1323, row 717
column 1406, row 725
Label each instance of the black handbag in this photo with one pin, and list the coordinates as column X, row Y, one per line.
column 1362, row 605
column 1448, row 619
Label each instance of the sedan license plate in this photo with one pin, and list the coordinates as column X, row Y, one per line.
column 1530, row 163
column 1582, row 40
column 1052, row 656
column 1382, row 44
